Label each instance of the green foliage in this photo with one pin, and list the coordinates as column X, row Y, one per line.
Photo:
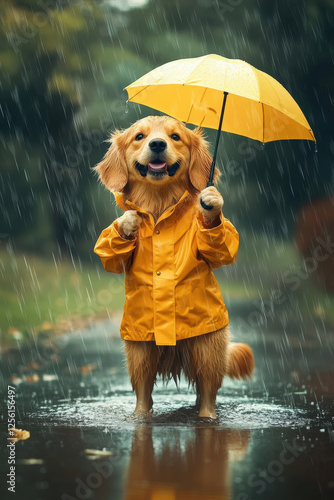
column 38, row 291
column 63, row 67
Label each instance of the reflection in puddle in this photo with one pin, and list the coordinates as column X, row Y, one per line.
column 174, row 455
column 170, row 409
column 174, row 464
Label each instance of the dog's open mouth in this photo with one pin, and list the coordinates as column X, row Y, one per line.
column 157, row 168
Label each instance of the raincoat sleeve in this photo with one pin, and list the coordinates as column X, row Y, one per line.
column 218, row 245
column 114, row 251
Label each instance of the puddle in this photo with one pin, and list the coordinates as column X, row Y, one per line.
column 170, row 409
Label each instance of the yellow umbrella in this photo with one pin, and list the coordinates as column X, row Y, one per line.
column 206, row 89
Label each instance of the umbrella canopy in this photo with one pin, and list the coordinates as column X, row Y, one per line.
column 193, row 91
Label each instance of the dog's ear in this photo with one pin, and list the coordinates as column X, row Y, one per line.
column 112, row 170
column 200, row 161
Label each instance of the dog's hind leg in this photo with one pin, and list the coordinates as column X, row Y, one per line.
column 204, row 360
column 142, row 361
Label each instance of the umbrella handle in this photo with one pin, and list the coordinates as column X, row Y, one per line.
column 212, row 171
column 210, row 183
column 204, row 205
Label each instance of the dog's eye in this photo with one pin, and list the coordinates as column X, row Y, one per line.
column 175, row 137
column 139, row 137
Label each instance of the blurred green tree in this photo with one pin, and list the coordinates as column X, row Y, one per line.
column 64, row 65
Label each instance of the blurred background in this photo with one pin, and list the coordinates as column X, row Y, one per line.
column 64, row 65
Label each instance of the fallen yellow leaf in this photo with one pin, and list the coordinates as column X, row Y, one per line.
column 18, row 435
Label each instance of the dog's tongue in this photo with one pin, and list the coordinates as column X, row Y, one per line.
column 157, row 166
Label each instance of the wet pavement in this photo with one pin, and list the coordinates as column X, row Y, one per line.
column 273, row 439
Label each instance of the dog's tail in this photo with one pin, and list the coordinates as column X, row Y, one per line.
column 241, row 361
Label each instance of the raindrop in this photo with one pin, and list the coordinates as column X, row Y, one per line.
column 315, row 147
column 127, row 107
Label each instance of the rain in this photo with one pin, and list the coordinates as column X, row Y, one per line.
column 67, row 404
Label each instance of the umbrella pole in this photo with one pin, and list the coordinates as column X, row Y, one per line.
column 210, row 183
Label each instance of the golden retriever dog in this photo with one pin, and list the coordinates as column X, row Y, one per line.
column 161, row 168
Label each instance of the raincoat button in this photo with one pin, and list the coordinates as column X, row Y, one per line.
column 158, row 273
column 157, row 231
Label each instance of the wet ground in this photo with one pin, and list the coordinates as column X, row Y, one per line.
column 273, row 439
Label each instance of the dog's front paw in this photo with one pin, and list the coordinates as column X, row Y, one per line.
column 211, row 203
column 129, row 223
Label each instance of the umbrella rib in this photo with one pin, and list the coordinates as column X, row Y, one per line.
column 191, row 107
column 206, row 88
column 141, row 90
column 259, row 97
column 194, row 69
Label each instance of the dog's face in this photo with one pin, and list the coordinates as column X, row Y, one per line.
column 156, row 151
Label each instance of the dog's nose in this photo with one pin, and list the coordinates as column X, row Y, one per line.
column 157, row 145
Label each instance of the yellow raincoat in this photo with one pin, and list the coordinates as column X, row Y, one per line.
column 171, row 291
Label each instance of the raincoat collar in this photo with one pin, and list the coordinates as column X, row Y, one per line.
column 125, row 204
